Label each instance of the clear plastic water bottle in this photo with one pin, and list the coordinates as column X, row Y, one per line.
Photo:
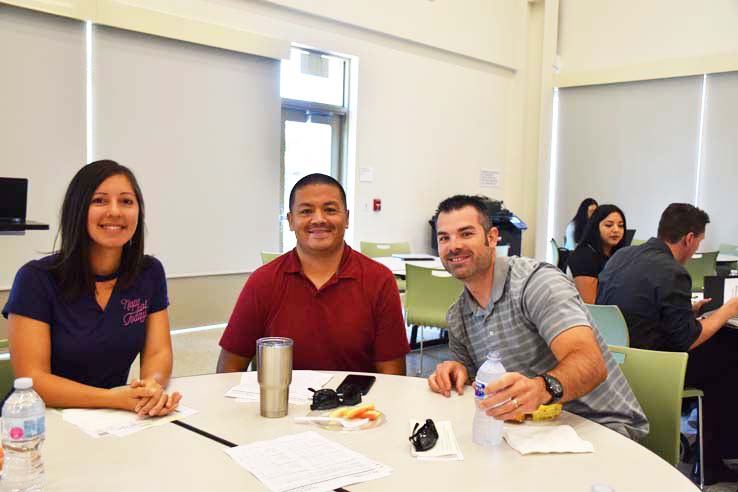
column 24, row 426
column 486, row 430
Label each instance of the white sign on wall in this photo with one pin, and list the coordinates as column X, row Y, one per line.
column 489, row 178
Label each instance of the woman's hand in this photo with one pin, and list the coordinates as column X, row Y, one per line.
column 158, row 403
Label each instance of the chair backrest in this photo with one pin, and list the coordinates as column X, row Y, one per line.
column 728, row 249
column 611, row 324
column 657, row 381
column 6, row 372
column 502, row 250
column 267, row 256
column 428, row 295
column 637, row 242
column 700, row 266
column 374, row 250
column 554, row 252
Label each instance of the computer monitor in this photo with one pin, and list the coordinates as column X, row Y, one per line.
column 13, row 197
column 629, row 235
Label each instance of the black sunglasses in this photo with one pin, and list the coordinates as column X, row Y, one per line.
column 325, row 399
column 424, row 438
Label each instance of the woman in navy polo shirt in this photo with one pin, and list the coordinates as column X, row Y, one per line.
column 78, row 318
column 603, row 236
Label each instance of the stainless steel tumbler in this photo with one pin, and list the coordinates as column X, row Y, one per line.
column 274, row 366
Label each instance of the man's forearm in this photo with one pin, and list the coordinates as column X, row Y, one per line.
column 712, row 323
column 580, row 372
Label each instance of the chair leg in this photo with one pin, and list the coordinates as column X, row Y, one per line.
column 702, row 453
column 420, row 365
column 413, row 337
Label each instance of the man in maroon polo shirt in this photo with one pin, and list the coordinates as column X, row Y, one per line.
column 341, row 308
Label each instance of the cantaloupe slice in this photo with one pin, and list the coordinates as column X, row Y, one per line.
column 356, row 412
column 371, row 414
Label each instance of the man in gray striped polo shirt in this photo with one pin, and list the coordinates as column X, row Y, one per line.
column 531, row 314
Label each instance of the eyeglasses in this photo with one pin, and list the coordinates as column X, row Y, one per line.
column 424, row 438
column 325, row 399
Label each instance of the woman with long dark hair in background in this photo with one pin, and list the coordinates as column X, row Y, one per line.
column 575, row 228
column 603, row 236
column 79, row 317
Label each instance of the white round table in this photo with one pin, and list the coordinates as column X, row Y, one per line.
column 172, row 458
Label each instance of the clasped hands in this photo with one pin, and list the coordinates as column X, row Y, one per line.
column 147, row 398
column 511, row 395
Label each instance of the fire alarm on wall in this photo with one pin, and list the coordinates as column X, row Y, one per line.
column 377, row 204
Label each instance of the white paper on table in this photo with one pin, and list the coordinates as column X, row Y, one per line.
column 730, row 289
column 305, row 462
column 528, row 439
column 101, row 422
column 446, row 448
column 248, row 389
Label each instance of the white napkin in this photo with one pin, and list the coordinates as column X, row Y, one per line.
column 527, row 439
column 446, row 448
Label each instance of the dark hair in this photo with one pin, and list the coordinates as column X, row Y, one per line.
column 580, row 218
column 592, row 235
column 71, row 269
column 679, row 219
column 458, row 202
column 317, row 178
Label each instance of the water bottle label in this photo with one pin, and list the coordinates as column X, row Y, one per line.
column 22, row 429
column 479, row 390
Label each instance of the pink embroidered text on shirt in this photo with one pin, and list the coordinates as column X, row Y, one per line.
column 135, row 310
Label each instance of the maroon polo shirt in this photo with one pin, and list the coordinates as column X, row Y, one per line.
column 351, row 322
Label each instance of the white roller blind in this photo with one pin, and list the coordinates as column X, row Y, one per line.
column 200, row 127
column 719, row 179
column 632, row 144
column 42, row 120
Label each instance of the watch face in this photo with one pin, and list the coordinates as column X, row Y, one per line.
column 554, row 387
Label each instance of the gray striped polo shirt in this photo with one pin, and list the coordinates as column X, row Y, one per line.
column 531, row 304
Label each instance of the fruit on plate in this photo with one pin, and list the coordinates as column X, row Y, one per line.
column 544, row 412
column 357, row 411
column 365, row 411
column 339, row 412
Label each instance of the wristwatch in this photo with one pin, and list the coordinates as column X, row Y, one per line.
column 554, row 388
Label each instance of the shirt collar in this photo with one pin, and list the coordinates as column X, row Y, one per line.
column 660, row 245
column 348, row 268
column 499, row 278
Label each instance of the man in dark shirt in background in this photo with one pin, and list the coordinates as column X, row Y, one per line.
column 653, row 290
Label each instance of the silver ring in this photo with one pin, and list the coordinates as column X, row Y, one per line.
column 516, row 403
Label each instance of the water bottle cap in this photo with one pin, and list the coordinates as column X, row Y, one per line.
column 494, row 356
column 23, row 383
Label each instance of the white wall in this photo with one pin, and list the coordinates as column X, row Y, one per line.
column 42, row 123
column 427, row 121
column 477, row 28
column 607, row 34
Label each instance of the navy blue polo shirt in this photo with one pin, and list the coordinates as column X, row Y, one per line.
column 90, row 345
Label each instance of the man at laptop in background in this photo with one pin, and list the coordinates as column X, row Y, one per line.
column 653, row 290
column 341, row 308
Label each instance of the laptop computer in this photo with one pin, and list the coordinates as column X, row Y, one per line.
column 720, row 290
column 629, row 235
column 13, row 199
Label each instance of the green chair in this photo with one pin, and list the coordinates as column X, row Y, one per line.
column 267, row 256
column 657, row 380
column 6, row 371
column 637, row 242
column 729, row 249
column 373, row 250
column 430, row 292
column 700, row 266
column 611, row 324
column 554, row 246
